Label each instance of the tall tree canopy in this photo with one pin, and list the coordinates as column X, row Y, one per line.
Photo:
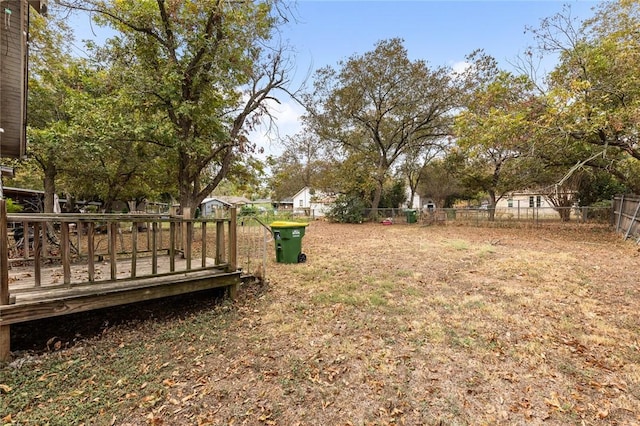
column 379, row 105
column 77, row 113
column 54, row 79
column 495, row 131
column 594, row 94
column 199, row 74
column 302, row 163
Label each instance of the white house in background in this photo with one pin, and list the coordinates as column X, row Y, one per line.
column 312, row 203
column 413, row 204
column 524, row 203
column 524, row 200
column 302, row 199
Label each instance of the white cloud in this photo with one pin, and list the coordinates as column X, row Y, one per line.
column 460, row 67
column 286, row 122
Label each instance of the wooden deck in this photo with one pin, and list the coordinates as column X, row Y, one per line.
column 54, row 298
column 41, row 282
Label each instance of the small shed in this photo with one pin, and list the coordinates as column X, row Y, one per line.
column 284, row 204
column 209, row 205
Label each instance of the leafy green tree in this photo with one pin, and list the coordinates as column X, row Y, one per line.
column 495, row 131
column 27, row 174
column 12, row 207
column 55, row 82
column 302, row 163
column 393, row 194
column 441, row 182
column 414, row 164
column 120, row 166
column 597, row 186
column 201, row 73
column 347, row 208
column 379, row 105
column 594, row 91
column 77, row 115
column 352, row 175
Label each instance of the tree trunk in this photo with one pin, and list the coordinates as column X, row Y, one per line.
column 188, row 202
column 411, row 197
column 50, row 173
column 492, row 206
column 377, row 196
column 565, row 214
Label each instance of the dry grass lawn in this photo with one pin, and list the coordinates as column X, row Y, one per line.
column 400, row 324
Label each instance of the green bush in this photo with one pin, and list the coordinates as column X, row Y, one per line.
column 12, row 207
column 347, row 209
column 248, row 210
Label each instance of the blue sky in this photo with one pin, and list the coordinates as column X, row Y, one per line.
column 440, row 32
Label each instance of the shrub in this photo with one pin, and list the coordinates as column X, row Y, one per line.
column 248, row 210
column 12, row 207
column 347, row 209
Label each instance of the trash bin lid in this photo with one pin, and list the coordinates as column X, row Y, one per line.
column 285, row 224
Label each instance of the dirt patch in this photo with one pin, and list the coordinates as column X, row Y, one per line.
column 400, row 324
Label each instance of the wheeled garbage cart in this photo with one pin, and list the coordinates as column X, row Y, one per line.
column 288, row 240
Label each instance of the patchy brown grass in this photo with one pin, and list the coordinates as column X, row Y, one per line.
column 382, row 325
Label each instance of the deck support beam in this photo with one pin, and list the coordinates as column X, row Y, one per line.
column 5, row 335
column 87, row 298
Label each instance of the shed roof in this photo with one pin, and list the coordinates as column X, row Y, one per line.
column 228, row 200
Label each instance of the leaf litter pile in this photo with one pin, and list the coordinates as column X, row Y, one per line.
column 399, row 324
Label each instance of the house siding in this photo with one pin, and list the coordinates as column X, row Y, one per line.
column 304, row 201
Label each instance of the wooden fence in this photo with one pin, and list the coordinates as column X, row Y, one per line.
column 626, row 215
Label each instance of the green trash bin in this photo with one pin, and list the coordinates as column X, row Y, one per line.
column 288, row 239
column 412, row 215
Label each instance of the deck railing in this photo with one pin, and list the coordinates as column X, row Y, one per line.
column 107, row 259
column 62, row 240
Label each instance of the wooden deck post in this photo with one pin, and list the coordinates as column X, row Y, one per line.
column 219, row 242
column 92, row 251
column 65, row 253
column 112, row 237
column 5, row 335
column 233, row 240
column 203, row 233
column 134, row 248
column 187, row 235
column 25, row 239
column 37, row 253
column 172, row 244
column 154, row 247
column 233, row 249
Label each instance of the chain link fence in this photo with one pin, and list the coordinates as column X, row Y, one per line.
column 519, row 215
column 255, row 242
